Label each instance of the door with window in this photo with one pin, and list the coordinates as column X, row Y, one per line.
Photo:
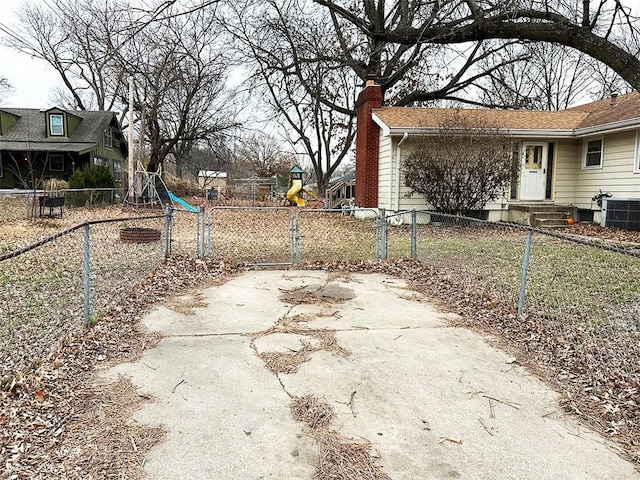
column 533, row 176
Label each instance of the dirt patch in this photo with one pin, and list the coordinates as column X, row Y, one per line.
column 289, row 362
column 340, row 457
column 186, row 304
column 329, row 293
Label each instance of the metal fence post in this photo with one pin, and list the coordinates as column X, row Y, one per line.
column 383, row 234
column 167, row 231
column 296, row 237
column 414, row 234
column 210, row 233
column 201, row 230
column 525, row 271
column 86, row 274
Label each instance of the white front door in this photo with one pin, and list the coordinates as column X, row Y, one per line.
column 533, row 176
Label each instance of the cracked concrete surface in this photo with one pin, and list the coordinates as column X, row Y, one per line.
column 436, row 402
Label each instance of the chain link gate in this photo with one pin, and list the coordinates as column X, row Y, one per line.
column 272, row 236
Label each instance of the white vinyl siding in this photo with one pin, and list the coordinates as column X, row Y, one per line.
column 407, row 201
column 636, row 163
column 385, row 172
column 615, row 176
column 566, row 165
column 573, row 184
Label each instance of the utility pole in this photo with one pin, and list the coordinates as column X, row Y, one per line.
column 132, row 179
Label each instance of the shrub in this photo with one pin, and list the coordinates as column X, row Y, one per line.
column 93, row 176
column 464, row 165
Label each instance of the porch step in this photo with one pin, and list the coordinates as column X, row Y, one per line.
column 545, row 215
column 550, row 222
column 551, row 219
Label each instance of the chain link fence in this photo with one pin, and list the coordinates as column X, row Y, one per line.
column 20, row 204
column 51, row 288
column 561, row 278
column 285, row 236
column 546, row 273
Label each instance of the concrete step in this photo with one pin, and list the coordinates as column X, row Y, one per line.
column 550, row 222
column 551, row 215
column 540, row 208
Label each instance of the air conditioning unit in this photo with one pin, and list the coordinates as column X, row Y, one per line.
column 621, row 213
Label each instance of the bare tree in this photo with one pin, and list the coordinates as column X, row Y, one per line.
column 605, row 29
column 264, row 156
column 467, row 164
column 180, row 73
column 81, row 46
column 313, row 101
column 177, row 60
column 211, row 157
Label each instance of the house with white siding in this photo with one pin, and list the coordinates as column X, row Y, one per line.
column 568, row 158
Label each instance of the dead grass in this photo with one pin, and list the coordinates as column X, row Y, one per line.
column 56, row 423
column 340, row 458
column 313, row 412
column 346, row 459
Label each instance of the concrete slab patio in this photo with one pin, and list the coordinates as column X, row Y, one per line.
column 434, row 401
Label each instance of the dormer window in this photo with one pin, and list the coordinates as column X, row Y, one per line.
column 56, row 124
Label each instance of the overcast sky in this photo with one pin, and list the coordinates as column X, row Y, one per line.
column 33, row 80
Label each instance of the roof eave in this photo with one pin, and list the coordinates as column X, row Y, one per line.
column 612, row 127
column 515, row 132
column 383, row 126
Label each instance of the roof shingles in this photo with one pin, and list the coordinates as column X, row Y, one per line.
column 595, row 114
column 29, row 131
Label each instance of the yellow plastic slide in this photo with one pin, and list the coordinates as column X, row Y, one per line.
column 292, row 193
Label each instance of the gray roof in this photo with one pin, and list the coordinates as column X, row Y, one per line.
column 29, row 133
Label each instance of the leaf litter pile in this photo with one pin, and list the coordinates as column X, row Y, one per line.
column 55, row 422
column 340, row 458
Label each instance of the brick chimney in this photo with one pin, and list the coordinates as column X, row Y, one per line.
column 367, row 140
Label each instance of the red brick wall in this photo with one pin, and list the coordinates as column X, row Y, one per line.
column 367, row 139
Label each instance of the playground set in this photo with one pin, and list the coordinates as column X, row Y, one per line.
column 296, row 190
column 149, row 191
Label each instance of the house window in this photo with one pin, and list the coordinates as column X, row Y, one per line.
column 117, row 170
column 56, row 124
column 1, row 171
column 593, row 153
column 56, row 162
column 108, row 137
column 101, row 162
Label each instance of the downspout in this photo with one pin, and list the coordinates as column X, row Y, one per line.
column 396, row 205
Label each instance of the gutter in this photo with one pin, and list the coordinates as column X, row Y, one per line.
column 398, row 155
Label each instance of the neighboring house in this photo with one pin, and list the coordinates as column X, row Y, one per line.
column 213, row 182
column 55, row 142
column 567, row 157
column 341, row 191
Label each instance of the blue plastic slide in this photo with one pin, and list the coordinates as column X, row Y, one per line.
column 179, row 201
